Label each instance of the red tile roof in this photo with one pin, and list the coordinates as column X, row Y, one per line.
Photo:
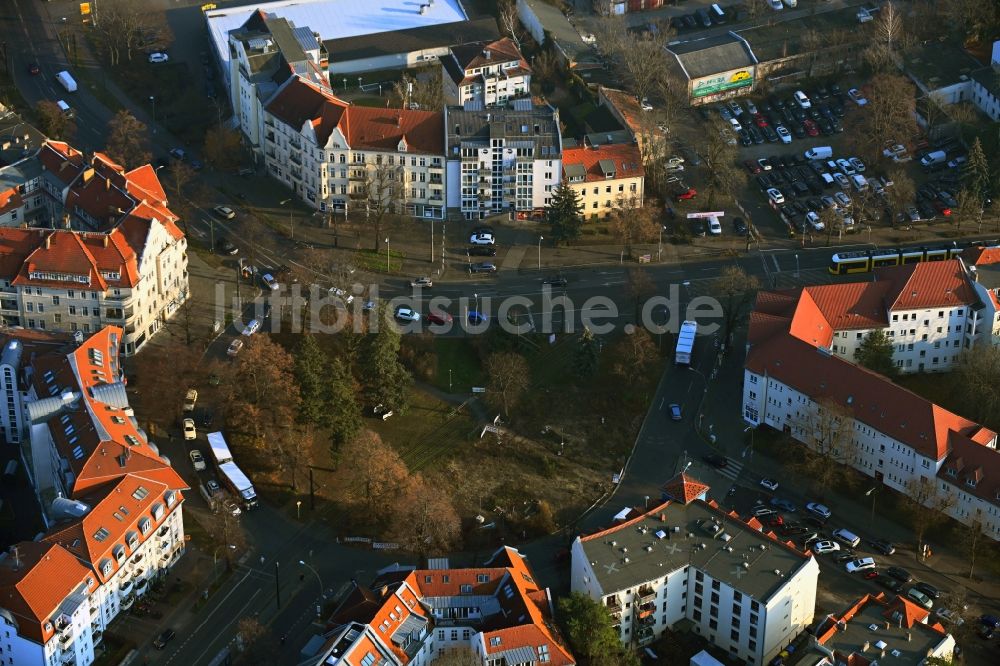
column 625, row 156
column 10, row 200
column 364, row 128
column 473, row 55
column 35, row 578
column 627, row 106
column 973, row 462
column 62, row 160
column 873, row 400
column 980, row 255
column 930, row 284
column 684, row 488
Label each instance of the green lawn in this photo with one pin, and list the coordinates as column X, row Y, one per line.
column 375, row 262
column 429, row 432
column 458, row 367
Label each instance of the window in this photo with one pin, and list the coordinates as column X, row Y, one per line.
column 715, row 585
column 697, row 616
column 713, row 624
column 734, row 635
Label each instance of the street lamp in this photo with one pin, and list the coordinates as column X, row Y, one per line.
column 386, row 255
column 796, row 265
column 291, row 227
column 298, row 509
column 750, row 429
column 540, row 239
column 215, row 554
column 873, row 493
column 659, row 244
column 322, row 590
column 152, row 100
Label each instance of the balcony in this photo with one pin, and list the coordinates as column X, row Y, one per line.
column 359, row 176
column 435, row 179
column 295, row 159
column 68, row 658
column 125, row 589
column 646, row 593
column 645, row 636
column 65, row 639
column 127, row 602
column 98, row 636
column 141, row 586
column 94, row 610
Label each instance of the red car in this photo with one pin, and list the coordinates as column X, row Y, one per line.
column 439, row 317
column 811, row 128
column 761, row 120
column 751, row 166
column 871, row 575
column 941, row 208
column 774, row 520
column 691, row 193
column 33, row 69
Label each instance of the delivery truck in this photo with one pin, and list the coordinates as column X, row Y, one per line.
column 66, row 81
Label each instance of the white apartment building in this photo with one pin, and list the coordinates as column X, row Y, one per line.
column 687, row 560
column 984, row 270
column 604, row 176
column 129, row 269
column 930, row 311
column 263, row 53
column 111, row 501
column 410, row 617
column 337, row 156
column 487, row 73
column 797, row 386
column 502, row 159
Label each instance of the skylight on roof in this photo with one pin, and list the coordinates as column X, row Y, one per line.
column 140, row 493
column 101, row 534
column 78, row 452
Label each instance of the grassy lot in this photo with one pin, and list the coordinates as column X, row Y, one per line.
column 375, row 262
column 430, row 433
column 458, row 367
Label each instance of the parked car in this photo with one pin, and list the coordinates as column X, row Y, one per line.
column 225, row 246
column 825, row 547
column 158, row 58
column 231, row 507
column 770, row 484
column 555, row 281
column 190, row 400
column 929, row 590
column 775, row 195
column 424, row 282
column 33, row 69
column 856, row 95
column 225, row 212
column 212, row 486
column 716, row 460
column 690, row 193
column 783, row 504
column 739, row 226
column 890, row 584
column 483, row 267
column 860, row 564
column 819, row 510
column 482, row 239
column 802, row 99
column 197, row 460
column 252, row 327
column 476, row 318
column 234, row 347
column 482, row 251
column 899, row 574
column 783, row 133
column 439, row 317
column 882, row 547
column 675, row 412
column 714, row 226
column 920, row 598
column 268, row 281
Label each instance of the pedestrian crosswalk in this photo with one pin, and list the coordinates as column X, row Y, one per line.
column 732, row 470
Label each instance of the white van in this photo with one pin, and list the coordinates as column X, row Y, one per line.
column 718, row 15
column 819, row 153
column 66, row 109
column 792, row 4
column 847, row 537
column 859, row 182
column 936, row 157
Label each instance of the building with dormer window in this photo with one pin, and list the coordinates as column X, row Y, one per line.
column 489, row 73
column 604, row 176
column 334, row 155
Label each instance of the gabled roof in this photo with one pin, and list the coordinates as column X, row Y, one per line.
column 10, row 200
column 976, row 464
column 364, row 128
column 474, row 54
column 980, row 255
column 61, row 160
column 35, row 579
column 623, row 158
column 928, row 284
column 872, row 399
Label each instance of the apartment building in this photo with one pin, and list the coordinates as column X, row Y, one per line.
column 487, row 73
column 604, row 176
column 793, row 383
column 128, row 268
column 984, row 270
column 264, row 53
column 337, row 156
column 502, row 159
column 930, row 311
column 111, row 502
column 881, row 627
column 687, row 562
column 413, row 616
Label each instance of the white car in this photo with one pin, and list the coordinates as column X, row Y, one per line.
column 424, row 282
column 270, row 282
column 158, row 58
column 189, row 430
column 842, row 198
column 231, row 507
column 860, row 564
column 646, row 106
column 225, row 212
column 846, row 167
column 751, row 108
column 856, row 95
column 819, row 510
column 197, row 460
column 776, row 5
column 842, row 181
column 234, row 347
column 407, row 314
column 824, row 547
column 482, row 238
column 802, row 99
column 775, row 195
column 736, row 125
column 348, row 298
column 770, row 484
column 714, row 227
column 894, row 151
column 252, row 327
column 783, row 134
column 813, row 219
column 190, row 399
column 858, row 165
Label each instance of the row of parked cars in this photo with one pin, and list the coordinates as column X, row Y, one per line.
column 784, row 119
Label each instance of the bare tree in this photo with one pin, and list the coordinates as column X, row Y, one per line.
column 610, row 36
column 423, row 91
column 721, row 159
column 736, row 288
column 53, row 122
column 510, row 377
column 890, row 112
column 123, row 28
column 382, row 192
column 889, row 25
column 510, row 24
column 128, row 141
column 374, row 482
column 257, row 645
column 427, row 521
column 644, row 61
column 926, row 503
column 632, row 223
column 222, row 148
column 826, row 428
column 902, row 193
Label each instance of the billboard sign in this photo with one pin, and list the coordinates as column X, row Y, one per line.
column 716, row 83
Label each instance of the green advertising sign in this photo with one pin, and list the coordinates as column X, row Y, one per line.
column 710, row 85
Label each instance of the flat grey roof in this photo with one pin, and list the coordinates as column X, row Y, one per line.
column 563, row 33
column 695, row 534
column 346, row 49
column 712, row 55
column 869, row 626
column 940, row 65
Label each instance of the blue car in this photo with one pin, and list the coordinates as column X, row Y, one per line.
column 783, row 504
column 477, row 317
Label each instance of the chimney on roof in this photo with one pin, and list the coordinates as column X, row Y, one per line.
column 423, row 9
column 486, row 53
column 399, row 120
column 107, row 183
column 63, row 164
column 104, row 240
column 48, row 241
column 66, row 221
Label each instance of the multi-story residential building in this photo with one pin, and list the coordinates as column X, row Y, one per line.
column 502, row 159
column 111, row 502
column 984, row 268
column 263, row 54
column 881, row 627
column 795, row 384
column 336, row 155
column 413, row 616
column 131, row 273
column 605, row 177
column 689, row 562
column 930, row 311
column 487, row 73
